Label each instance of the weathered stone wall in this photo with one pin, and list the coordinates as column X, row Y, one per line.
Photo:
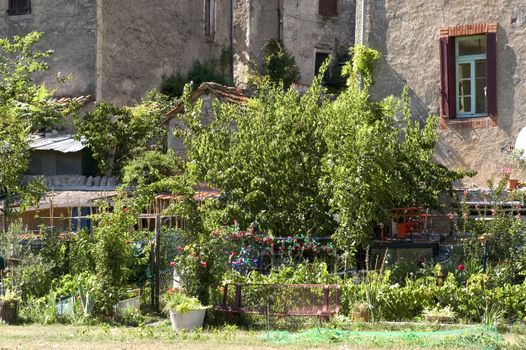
column 70, row 30
column 141, row 41
column 255, row 22
column 176, row 144
column 407, row 33
column 305, row 32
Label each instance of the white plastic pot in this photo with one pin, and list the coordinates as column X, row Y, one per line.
column 189, row 320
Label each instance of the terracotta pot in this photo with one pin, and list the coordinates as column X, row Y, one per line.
column 513, row 184
column 8, row 311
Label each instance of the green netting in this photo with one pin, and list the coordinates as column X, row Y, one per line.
column 476, row 337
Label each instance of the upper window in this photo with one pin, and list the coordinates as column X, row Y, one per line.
column 468, row 63
column 470, row 60
column 209, row 17
column 328, row 7
column 19, row 7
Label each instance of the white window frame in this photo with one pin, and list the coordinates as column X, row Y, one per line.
column 471, row 59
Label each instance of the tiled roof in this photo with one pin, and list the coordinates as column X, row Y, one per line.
column 198, row 195
column 223, row 93
column 83, row 99
column 56, row 142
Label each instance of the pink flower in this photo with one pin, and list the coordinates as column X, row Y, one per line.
column 172, row 263
column 507, row 170
column 460, row 267
column 179, row 249
column 203, row 264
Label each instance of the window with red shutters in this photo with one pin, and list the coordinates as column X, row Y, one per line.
column 328, row 7
column 468, row 71
column 19, row 7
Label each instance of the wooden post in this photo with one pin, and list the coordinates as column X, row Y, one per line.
column 325, row 299
column 51, row 211
column 238, row 296
column 79, row 213
column 156, row 265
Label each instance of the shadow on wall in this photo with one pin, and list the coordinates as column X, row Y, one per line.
column 506, row 67
column 392, row 83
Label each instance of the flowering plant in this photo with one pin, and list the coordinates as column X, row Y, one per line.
column 176, row 300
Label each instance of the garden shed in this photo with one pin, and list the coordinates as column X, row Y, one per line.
column 207, row 92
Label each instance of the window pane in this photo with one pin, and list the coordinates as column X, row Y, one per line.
column 464, row 104
column 480, row 68
column 464, row 87
column 480, row 95
column 464, row 71
column 474, row 46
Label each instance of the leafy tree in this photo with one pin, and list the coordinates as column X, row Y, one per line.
column 201, row 72
column 25, row 107
column 269, row 165
column 115, row 135
column 376, row 160
column 279, row 65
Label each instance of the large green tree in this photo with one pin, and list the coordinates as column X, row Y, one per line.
column 378, row 158
column 290, row 161
column 266, row 157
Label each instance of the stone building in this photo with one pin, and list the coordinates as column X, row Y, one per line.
column 462, row 60
column 310, row 30
column 118, row 50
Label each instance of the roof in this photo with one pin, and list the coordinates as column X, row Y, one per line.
column 74, row 198
column 62, row 101
column 198, row 196
column 56, row 142
column 223, row 93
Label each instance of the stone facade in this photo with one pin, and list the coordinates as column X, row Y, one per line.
column 118, row 50
column 306, row 32
column 70, row 29
column 298, row 25
column 407, row 34
column 142, row 41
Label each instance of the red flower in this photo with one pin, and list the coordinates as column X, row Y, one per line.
column 460, row 267
column 172, row 263
column 125, row 210
column 179, row 249
column 203, row 263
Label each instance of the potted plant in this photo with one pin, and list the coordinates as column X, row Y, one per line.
column 439, row 315
column 360, row 312
column 185, row 312
column 8, row 306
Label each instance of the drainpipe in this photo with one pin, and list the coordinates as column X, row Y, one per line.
column 362, row 29
column 232, row 41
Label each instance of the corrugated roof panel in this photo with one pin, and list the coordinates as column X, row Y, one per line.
column 59, row 143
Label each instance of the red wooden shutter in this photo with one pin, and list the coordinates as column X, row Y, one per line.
column 447, row 77
column 491, row 73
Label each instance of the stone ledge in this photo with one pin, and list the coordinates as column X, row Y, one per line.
column 468, row 123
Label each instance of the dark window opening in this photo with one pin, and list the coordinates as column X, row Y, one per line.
column 19, row 7
column 328, row 7
column 209, row 17
column 318, row 62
